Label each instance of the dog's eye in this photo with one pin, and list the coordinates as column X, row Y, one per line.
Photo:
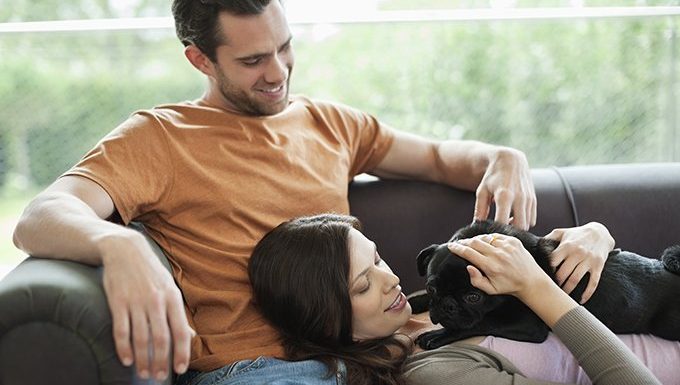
column 472, row 297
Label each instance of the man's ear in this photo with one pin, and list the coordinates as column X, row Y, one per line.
column 199, row 60
column 423, row 259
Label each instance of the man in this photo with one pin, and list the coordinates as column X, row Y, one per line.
column 208, row 178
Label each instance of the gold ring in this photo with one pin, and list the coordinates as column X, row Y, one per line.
column 493, row 238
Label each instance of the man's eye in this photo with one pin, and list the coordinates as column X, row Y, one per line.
column 251, row 62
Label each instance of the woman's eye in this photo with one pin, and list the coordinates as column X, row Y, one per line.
column 364, row 289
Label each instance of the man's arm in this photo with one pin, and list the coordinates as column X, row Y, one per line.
column 498, row 174
column 66, row 221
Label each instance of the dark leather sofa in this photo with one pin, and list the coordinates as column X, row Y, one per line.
column 55, row 326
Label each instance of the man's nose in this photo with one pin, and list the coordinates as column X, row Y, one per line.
column 277, row 71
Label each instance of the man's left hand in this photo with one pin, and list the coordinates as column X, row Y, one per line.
column 507, row 183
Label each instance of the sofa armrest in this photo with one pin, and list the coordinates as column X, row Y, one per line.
column 56, row 328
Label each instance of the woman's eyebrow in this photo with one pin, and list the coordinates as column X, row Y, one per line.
column 365, row 271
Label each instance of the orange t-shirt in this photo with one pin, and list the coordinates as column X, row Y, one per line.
column 208, row 184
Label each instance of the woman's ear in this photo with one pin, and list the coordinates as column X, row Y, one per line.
column 199, row 60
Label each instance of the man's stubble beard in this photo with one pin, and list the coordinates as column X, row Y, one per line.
column 248, row 105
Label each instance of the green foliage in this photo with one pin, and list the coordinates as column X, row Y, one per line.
column 31, row 10
column 4, row 167
column 565, row 92
column 61, row 93
column 465, row 4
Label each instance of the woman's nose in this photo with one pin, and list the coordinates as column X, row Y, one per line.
column 391, row 281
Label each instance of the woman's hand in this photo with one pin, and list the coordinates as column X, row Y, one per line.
column 582, row 250
column 508, row 268
column 501, row 264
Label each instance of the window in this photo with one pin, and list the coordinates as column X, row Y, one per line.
column 571, row 85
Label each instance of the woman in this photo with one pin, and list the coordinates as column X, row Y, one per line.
column 322, row 284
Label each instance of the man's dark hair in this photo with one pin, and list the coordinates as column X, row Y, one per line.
column 196, row 21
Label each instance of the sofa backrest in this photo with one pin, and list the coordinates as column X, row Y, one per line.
column 639, row 203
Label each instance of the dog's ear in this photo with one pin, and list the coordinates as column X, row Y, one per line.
column 424, row 258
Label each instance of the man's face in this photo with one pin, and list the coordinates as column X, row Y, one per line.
column 252, row 72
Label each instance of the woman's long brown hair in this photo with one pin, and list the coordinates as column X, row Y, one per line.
column 300, row 277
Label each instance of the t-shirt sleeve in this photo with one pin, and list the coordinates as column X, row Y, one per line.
column 367, row 139
column 131, row 164
column 372, row 142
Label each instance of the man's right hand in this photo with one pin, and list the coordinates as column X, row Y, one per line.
column 67, row 221
column 146, row 307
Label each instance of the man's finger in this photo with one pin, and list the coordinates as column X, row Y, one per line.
column 160, row 337
column 181, row 336
column 482, row 205
column 121, row 334
column 533, row 208
column 520, row 214
column 503, row 206
column 140, row 342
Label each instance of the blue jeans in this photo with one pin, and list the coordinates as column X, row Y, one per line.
column 267, row 370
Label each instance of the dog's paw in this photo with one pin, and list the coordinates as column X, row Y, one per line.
column 434, row 339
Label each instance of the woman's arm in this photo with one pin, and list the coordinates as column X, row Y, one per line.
column 510, row 269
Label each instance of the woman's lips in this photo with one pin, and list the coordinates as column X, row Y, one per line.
column 398, row 304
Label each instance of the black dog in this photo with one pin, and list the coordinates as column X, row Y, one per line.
column 635, row 294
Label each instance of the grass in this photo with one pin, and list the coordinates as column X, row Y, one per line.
column 11, row 206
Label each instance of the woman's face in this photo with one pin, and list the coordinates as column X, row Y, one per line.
column 379, row 307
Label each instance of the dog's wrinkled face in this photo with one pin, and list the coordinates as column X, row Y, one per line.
column 465, row 311
column 454, row 302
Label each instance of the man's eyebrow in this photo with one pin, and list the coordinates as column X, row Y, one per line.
column 365, row 271
column 260, row 55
